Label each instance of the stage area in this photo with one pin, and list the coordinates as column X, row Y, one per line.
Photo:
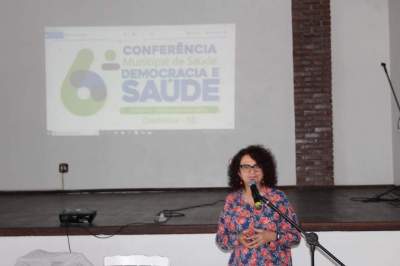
column 135, row 211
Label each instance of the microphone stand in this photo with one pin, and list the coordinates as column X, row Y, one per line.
column 391, row 85
column 379, row 197
column 310, row 237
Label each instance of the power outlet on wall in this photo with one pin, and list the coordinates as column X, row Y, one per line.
column 63, row 168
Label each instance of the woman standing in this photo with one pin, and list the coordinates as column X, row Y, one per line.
column 255, row 236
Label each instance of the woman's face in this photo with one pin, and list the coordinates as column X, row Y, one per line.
column 249, row 171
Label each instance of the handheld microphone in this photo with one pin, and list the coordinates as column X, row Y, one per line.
column 258, row 200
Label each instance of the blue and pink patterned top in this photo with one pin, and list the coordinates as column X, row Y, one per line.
column 238, row 216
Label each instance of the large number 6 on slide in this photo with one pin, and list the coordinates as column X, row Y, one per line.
column 79, row 80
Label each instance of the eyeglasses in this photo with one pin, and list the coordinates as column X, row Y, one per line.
column 248, row 167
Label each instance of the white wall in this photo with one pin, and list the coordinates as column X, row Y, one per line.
column 394, row 72
column 352, row 248
column 362, row 118
column 362, row 123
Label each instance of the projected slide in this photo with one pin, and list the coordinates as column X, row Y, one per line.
column 139, row 78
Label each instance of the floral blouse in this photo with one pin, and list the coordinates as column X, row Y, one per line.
column 238, row 216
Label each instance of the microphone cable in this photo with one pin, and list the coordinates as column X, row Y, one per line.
column 161, row 218
column 117, row 232
column 164, row 215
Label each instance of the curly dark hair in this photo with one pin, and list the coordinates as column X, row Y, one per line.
column 264, row 159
